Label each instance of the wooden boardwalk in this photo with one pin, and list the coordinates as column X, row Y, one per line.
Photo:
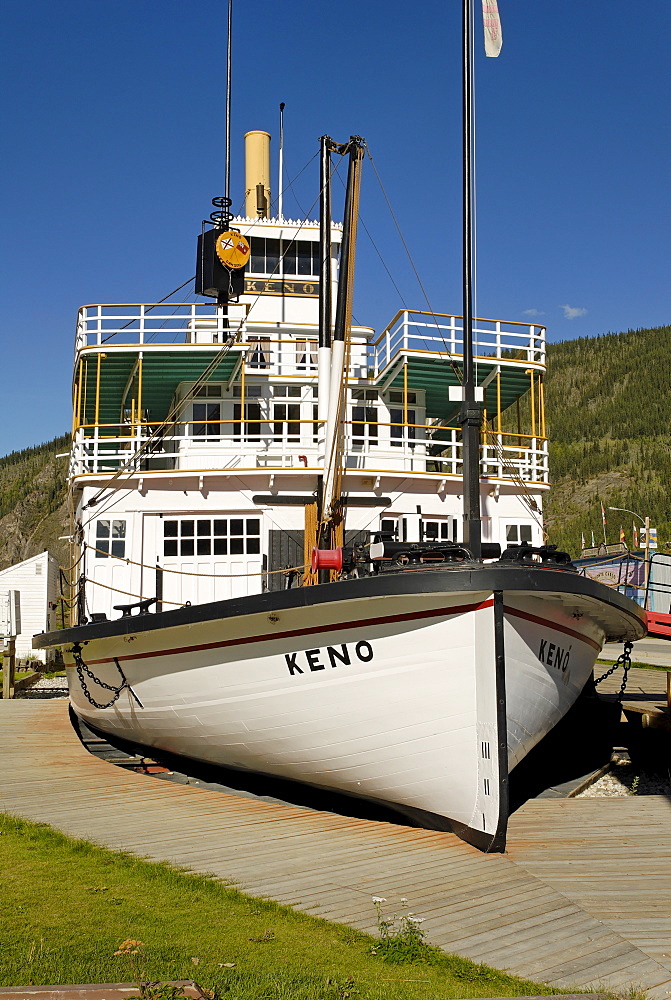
column 645, row 694
column 582, row 899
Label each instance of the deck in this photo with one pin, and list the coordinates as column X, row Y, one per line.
column 581, row 899
column 647, row 695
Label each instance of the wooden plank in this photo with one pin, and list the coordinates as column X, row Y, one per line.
column 490, row 907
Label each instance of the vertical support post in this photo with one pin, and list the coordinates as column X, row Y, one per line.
column 325, row 297
column 9, row 667
column 406, row 433
column 647, row 558
column 471, row 415
column 530, row 373
column 159, row 589
column 541, row 405
column 97, row 407
column 242, row 402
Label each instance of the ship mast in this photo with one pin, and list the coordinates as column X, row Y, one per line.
column 471, row 413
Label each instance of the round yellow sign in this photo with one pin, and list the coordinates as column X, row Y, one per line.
column 232, row 250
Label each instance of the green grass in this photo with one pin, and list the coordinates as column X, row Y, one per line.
column 635, row 663
column 67, row 905
column 19, row 675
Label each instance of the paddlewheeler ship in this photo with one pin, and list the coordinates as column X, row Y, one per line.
column 279, row 570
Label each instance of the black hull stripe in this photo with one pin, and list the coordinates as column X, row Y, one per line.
column 336, row 626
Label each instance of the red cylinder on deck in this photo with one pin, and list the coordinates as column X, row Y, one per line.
column 327, row 559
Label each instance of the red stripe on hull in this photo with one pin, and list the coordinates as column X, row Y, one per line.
column 340, row 626
column 553, row 625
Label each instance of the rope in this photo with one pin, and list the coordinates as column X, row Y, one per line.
column 182, row 572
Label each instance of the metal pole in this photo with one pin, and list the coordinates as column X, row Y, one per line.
column 227, row 178
column 470, row 410
column 280, row 164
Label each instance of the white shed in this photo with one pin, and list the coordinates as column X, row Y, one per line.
column 36, row 580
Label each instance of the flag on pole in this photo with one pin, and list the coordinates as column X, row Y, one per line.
column 603, row 513
column 635, row 534
column 593, row 542
column 622, row 538
column 582, row 540
column 492, row 25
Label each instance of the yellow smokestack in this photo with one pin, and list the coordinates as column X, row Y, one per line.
column 257, row 175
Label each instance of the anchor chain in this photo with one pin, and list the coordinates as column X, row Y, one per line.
column 624, row 661
column 82, row 669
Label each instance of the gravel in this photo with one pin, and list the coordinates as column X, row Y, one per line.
column 624, row 779
column 46, row 687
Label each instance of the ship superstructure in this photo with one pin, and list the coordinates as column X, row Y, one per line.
column 198, row 444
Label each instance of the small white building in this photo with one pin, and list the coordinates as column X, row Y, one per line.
column 36, row 580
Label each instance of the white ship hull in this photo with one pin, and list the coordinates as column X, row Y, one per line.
column 419, row 690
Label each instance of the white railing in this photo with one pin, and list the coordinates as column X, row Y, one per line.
column 159, row 323
column 444, row 335
column 227, row 445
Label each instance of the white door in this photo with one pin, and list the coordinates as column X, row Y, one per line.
column 203, row 557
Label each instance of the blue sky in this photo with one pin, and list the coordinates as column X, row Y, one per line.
column 112, row 147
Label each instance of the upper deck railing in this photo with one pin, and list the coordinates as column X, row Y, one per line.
column 443, row 334
column 136, row 323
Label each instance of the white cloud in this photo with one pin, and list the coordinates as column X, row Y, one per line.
column 572, row 312
column 533, row 312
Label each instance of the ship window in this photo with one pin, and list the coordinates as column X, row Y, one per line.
column 434, row 530
column 286, row 417
column 301, row 257
column 206, row 417
column 288, row 391
column 389, row 526
column 398, row 397
column 265, row 256
column 364, row 424
column 208, row 390
column 367, row 394
column 110, row 539
column 306, row 354
column 250, row 390
column 219, row 536
column 518, row 534
column 396, row 431
column 259, row 352
column 252, row 421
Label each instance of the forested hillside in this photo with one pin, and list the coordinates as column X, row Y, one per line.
column 609, row 422
column 608, row 403
column 33, row 509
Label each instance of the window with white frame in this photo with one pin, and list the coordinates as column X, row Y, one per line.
column 206, row 417
column 110, row 539
column 435, row 529
column 519, row 534
column 364, row 417
column 211, row 536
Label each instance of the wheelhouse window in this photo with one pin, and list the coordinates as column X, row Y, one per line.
column 110, row 539
column 225, row 536
column 301, row 257
column 265, row 255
